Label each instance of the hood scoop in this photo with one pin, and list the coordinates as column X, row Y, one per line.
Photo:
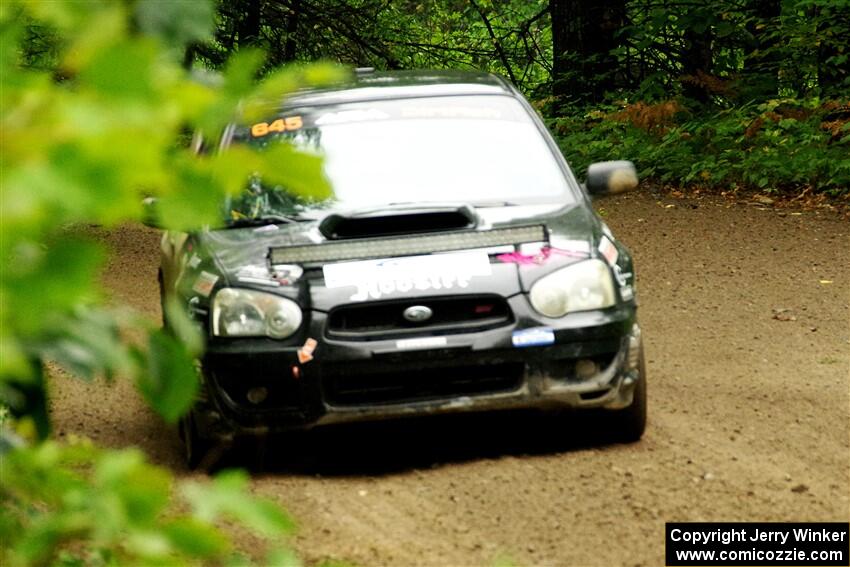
column 394, row 221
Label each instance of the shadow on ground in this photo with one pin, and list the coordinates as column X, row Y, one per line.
column 389, row 447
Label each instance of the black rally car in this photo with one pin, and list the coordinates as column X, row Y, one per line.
column 459, row 266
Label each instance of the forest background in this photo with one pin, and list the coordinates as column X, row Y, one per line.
column 724, row 94
column 727, row 96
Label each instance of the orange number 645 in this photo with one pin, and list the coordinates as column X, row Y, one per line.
column 280, row 125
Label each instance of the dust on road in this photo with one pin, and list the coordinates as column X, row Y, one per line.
column 749, row 374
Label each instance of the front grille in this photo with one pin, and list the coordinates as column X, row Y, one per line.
column 411, row 384
column 449, row 315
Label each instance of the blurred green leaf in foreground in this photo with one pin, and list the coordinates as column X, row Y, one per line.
column 74, row 504
column 86, row 133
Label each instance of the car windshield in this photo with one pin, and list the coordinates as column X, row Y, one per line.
column 470, row 149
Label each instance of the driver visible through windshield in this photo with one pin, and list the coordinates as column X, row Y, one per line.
column 471, row 149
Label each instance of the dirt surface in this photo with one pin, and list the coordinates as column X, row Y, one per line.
column 745, row 315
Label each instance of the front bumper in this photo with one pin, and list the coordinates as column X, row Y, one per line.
column 351, row 381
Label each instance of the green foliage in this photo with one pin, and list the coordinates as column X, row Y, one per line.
column 85, row 150
column 730, row 52
column 74, row 504
column 456, row 35
column 176, row 24
column 93, row 102
column 224, row 498
column 395, row 35
column 726, row 51
column 721, row 60
column 168, row 385
column 779, row 145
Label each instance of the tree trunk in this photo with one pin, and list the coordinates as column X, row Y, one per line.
column 583, row 37
column 831, row 74
column 291, row 44
column 762, row 60
column 696, row 64
column 248, row 26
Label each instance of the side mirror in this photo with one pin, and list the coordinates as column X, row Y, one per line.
column 611, row 177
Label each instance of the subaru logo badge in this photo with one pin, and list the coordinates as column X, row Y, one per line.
column 418, row 313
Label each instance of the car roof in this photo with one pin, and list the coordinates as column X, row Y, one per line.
column 377, row 85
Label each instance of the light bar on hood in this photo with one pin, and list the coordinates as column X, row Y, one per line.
column 405, row 245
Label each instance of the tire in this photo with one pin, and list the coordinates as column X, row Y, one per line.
column 629, row 424
column 195, row 447
column 159, row 279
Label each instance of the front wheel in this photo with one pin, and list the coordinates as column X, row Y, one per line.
column 195, row 447
column 159, row 280
column 628, row 424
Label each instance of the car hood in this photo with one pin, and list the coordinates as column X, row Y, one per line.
column 242, row 254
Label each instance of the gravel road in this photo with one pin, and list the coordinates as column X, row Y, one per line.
column 746, row 316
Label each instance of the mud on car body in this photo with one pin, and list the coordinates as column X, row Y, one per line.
column 459, row 266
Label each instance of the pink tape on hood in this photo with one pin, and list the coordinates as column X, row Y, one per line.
column 539, row 258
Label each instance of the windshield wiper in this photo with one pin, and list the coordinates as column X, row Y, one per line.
column 263, row 221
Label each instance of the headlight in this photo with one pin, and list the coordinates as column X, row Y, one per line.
column 246, row 313
column 580, row 287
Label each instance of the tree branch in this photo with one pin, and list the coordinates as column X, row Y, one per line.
column 496, row 42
